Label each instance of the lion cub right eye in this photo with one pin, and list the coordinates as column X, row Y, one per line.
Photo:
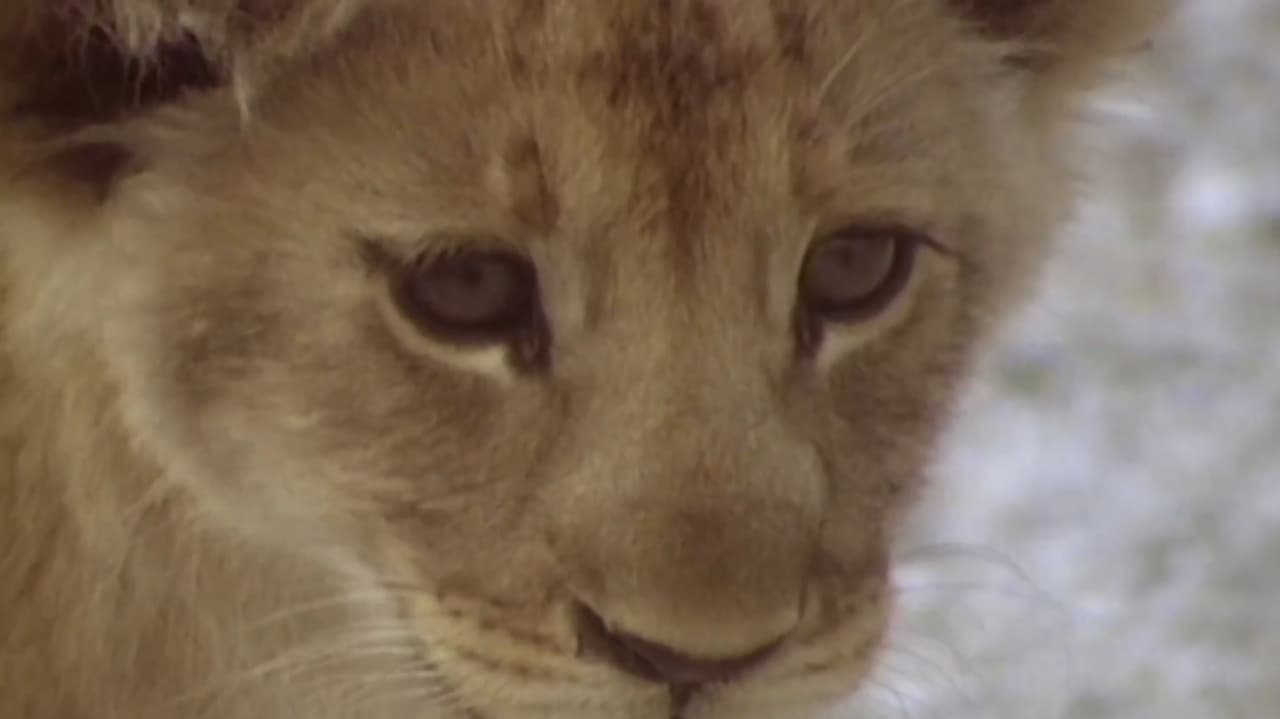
column 471, row 296
column 855, row 274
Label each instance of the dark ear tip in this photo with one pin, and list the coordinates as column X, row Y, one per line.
column 73, row 72
column 1078, row 36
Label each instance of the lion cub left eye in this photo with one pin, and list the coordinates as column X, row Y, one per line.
column 857, row 273
column 471, row 296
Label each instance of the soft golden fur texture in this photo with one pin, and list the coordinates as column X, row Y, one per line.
column 235, row 484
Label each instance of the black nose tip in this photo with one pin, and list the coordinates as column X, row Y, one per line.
column 658, row 663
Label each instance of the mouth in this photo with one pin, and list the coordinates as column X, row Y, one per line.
column 602, row 668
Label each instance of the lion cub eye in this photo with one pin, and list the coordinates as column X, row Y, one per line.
column 471, row 296
column 857, row 273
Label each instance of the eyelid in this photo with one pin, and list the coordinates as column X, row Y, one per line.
column 920, row 232
column 930, row 242
column 383, row 254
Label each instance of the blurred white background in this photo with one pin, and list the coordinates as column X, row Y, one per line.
column 1103, row 541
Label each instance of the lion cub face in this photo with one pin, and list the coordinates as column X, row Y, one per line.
column 610, row 336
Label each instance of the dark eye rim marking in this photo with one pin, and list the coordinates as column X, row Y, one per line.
column 888, row 284
column 514, row 306
column 905, row 244
column 813, row 319
column 520, row 326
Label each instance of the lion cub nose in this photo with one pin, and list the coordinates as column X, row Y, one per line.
column 656, row 662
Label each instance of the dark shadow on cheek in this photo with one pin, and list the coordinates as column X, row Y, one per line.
column 220, row 336
column 93, row 167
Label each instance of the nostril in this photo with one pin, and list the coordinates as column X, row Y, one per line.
column 658, row 663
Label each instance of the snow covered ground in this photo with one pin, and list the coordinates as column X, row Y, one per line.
column 1104, row 538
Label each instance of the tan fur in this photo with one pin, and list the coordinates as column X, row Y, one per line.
column 233, row 486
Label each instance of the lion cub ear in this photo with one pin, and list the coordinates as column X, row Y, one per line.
column 77, row 69
column 1066, row 41
column 95, row 61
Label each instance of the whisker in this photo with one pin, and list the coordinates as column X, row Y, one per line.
column 938, row 669
column 320, row 605
column 978, row 588
column 874, row 690
column 350, row 643
column 913, row 561
column 842, row 64
column 965, row 550
column 387, row 687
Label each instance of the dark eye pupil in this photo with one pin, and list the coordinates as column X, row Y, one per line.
column 471, row 295
column 467, row 290
column 856, row 274
column 847, row 271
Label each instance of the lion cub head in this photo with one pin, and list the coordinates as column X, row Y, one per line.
column 611, row 337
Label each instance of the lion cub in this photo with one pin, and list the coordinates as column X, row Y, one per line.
column 496, row 359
